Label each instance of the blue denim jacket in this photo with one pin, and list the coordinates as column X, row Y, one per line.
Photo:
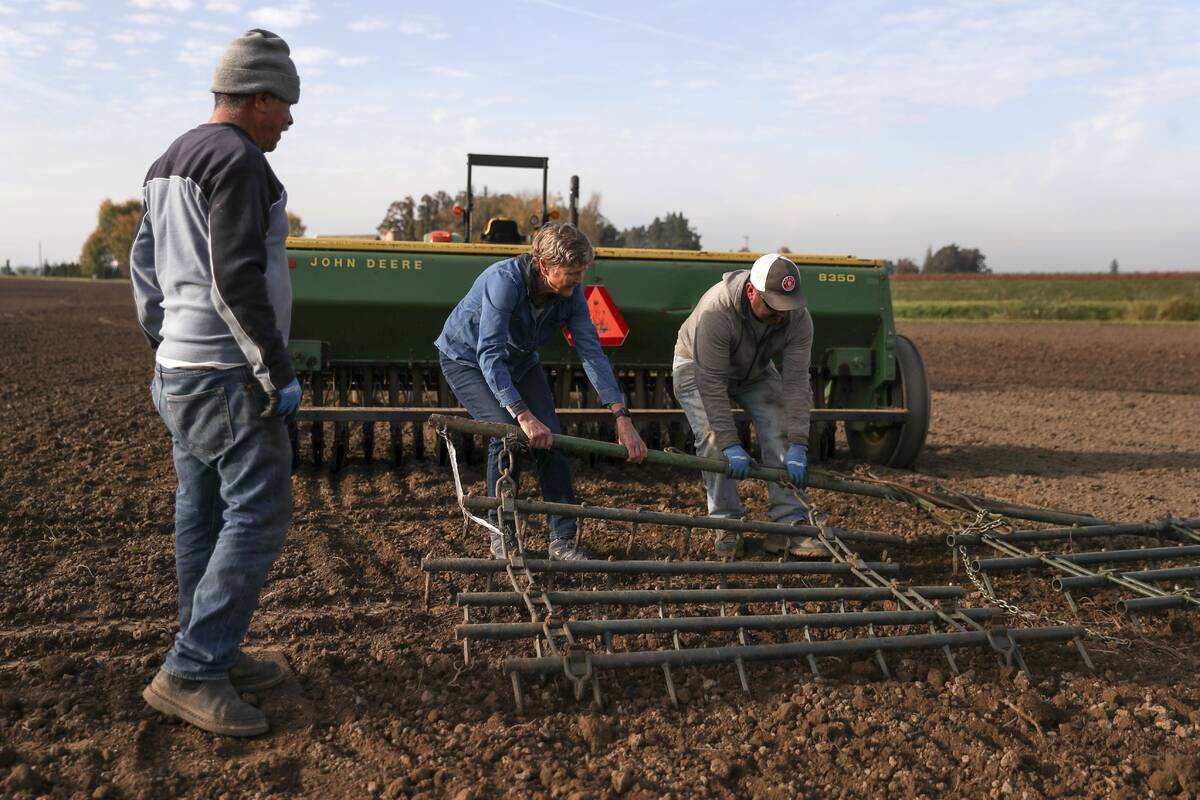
column 494, row 329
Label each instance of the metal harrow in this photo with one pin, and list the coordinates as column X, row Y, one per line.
column 583, row 648
column 1094, row 570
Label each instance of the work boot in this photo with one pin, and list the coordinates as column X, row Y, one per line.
column 807, row 547
column 776, row 543
column 568, row 550
column 250, row 674
column 213, row 706
column 729, row 545
column 502, row 548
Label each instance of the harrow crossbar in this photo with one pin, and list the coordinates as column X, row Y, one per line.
column 1165, row 528
column 679, row 520
column 817, row 479
column 650, row 597
column 548, row 665
column 1098, row 557
column 757, row 622
column 491, row 566
column 1143, row 605
column 1075, row 583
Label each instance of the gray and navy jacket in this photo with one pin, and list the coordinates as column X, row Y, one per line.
column 209, row 265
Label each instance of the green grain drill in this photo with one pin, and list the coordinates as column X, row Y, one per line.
column 366, row 314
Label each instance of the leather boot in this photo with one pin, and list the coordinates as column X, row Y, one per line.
column 213, row 706
column 250, row 674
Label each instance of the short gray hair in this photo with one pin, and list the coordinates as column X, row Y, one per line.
column 562, row 245
column 223, row 100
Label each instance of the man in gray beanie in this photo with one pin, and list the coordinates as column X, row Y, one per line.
column 213, row 296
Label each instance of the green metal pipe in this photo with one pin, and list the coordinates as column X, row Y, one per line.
column 817, row 479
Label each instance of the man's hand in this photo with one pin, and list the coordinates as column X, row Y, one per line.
column 284, row 402
column 797, row 464
column 539, row 435
column 628, row 436
column 739, row 462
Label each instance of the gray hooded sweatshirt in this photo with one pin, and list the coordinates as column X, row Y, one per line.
column 729, row 348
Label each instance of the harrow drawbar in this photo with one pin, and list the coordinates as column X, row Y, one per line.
column 567, row 641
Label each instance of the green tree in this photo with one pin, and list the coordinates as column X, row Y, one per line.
column 906, row 266
column 953, row 258
column 295, row 226
column 1114, row 267
column 112, row 239
column 672, row 232
column 599, row 230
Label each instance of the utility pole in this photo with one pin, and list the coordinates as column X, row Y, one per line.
column 746, row 242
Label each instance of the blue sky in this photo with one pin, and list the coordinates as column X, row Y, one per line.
column 1051, row 135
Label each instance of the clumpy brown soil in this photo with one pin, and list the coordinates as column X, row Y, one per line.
column 1094, row 418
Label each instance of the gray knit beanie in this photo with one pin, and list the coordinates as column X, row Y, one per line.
column 257, row 61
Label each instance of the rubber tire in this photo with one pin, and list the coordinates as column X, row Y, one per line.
column 898, row 445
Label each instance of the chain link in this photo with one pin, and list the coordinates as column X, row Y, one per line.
column 986, row 524
column 556, row 631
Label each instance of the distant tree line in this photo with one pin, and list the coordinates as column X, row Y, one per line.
column 948, row 259
column 410, row 220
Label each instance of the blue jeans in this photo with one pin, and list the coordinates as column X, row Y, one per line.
column 233, row 506
column 763, row 400
column 553, row 469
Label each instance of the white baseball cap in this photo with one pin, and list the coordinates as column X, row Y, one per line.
column 778, row 281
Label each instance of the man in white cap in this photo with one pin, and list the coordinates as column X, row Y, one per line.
column 213, row 295
column 725, row 351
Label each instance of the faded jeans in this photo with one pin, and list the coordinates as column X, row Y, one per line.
column 763, row 401
column 233, row 506
column 553, row 469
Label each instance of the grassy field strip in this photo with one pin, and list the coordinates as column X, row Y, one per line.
column 1099, row 297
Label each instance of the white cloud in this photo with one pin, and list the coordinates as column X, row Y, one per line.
column 293, row 16
column 15, row 38
column 424, row 26
column 46, row 28
column 311, row 56
column 438, row 115
column 141, row 37
column 210, row 27
column 173, row 5
column 421, row 26
column 148, row 19
column 223, row 8
column 5, row 10
column 55, row 6
column 370, row 24
column 448, row 72
column 200, row 53
column 352, row 61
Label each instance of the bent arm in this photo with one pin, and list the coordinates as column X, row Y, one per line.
column 797, row 384
column 499, row 301
column 147, row 294
column 238, row 217
column 587, row 344
column 711, row 352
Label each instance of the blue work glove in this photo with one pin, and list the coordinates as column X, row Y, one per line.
column 797, row 464
column 284, row 402
column 739, row 462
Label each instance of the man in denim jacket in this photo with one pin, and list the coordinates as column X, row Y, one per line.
column 489, row 356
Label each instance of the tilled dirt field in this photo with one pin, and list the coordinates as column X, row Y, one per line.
column 1094, row 418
